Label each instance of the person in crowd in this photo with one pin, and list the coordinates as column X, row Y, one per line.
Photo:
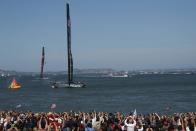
column 43, row 124
column 89, row 127
column 130, row 123
column 95, row 121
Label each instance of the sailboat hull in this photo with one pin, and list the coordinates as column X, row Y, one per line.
column 67, row 85
column 15, row 87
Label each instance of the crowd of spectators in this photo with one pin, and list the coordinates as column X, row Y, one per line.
column 95, row 121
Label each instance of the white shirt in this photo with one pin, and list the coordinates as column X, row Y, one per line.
column 130, row 127
column 140, row 129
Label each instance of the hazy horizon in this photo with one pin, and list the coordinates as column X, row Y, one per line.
column 147, row 69
column 128, row 35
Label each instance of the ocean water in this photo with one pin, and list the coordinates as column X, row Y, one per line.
column 145, row 93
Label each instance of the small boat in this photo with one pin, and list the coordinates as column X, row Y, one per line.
column 119, row 74
column 14, row 84
column 116, row 74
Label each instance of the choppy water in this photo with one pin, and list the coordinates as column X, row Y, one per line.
column 146, row 93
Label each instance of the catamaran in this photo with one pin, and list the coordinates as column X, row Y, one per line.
column 70, row 82
column 14, row 84
column 41, row 77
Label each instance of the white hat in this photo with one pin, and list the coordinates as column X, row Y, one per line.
column 59, row 120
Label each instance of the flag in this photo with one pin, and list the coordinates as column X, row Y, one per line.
column 53, row 106
column 168, row 108
column 135, row 113
column 18, row 106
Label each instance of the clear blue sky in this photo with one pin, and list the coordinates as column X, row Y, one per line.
column 119, row 34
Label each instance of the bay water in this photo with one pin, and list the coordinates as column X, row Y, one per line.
column 162, row 93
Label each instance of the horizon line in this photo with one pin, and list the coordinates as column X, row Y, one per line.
column 190, row 68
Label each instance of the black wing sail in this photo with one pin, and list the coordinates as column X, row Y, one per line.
column 70, row 60
column 71, row 68
column 42, row 63
column 70, row 83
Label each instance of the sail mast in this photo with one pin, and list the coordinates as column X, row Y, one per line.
column 70, row 83
column 70, row 59
column 42, row 63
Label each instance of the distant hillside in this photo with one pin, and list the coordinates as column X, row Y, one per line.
column 7, row 73
column 103, row 71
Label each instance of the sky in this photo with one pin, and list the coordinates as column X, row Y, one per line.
column 118, row 34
